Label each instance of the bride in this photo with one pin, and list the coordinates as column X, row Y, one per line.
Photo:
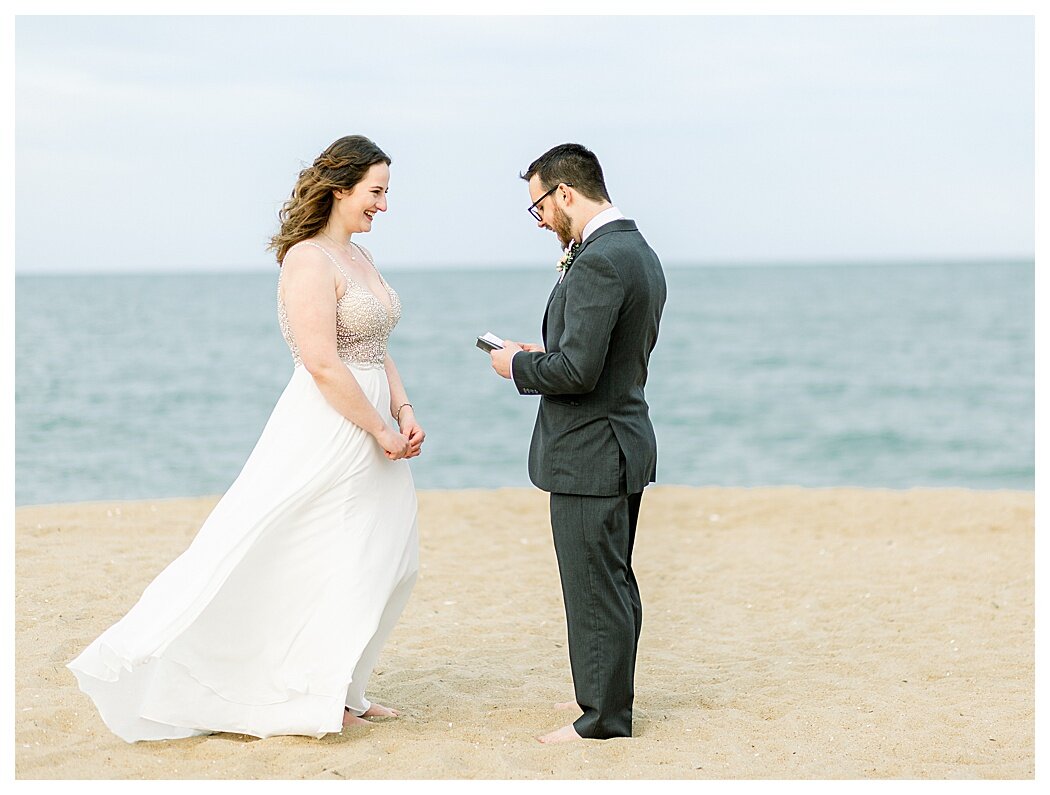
column 272, row 620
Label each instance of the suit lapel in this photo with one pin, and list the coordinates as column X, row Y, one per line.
column 619, row 225
column 546, row 311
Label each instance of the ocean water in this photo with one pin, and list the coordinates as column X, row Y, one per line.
column 894, row 375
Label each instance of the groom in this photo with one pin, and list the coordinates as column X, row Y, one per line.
column 593, row 447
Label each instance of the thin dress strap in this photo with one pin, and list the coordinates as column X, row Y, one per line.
column 349, row 281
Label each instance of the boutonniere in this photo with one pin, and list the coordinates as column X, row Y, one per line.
column 566, row 259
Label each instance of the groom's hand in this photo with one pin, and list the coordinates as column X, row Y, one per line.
column 501, row 357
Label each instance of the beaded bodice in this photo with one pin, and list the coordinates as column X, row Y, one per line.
column 362, row 322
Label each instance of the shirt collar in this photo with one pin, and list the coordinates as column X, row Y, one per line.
column 601, row 219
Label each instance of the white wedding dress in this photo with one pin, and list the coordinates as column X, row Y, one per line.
column 273, row 619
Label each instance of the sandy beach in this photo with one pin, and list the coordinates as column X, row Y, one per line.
column 788, row 633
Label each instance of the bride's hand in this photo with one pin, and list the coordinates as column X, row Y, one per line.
column 394, row 444
column 414, row 432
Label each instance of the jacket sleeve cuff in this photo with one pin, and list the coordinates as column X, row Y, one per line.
column 517, row 375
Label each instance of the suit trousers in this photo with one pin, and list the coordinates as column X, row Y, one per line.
column 593, row 541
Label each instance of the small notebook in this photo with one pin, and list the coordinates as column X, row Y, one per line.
column 489, row 342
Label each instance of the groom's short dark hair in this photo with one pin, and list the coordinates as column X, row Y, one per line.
column 573, row 164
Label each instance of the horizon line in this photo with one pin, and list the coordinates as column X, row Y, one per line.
column 246, row 268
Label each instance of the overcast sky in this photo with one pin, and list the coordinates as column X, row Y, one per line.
column 169, row 143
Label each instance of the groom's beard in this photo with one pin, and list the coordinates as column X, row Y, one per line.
column 562, row 226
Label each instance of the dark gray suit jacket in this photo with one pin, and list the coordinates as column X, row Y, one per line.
column 599, row 329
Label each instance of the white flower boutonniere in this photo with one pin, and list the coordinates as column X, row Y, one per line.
column 566, row 259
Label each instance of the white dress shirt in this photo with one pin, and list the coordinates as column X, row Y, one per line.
column 601, row 219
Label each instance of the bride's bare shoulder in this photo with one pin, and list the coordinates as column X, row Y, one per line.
column 306, row 256
column 307, row 267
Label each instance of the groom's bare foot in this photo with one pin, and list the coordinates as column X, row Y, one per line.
column 567, row 705
column 566, row 734
column 379, row 711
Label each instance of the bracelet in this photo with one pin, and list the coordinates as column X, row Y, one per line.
column 397, row 415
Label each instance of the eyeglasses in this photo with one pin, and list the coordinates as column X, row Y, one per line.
column 532, row 207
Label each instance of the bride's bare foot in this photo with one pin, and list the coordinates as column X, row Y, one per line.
column 567, row 705
column 566, row 734
column 350, row 719
column 379, row 711
column 374, row 711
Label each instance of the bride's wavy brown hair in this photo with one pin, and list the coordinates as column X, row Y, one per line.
column 339, row 167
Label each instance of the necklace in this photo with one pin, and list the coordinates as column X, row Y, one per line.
column 349, row 251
